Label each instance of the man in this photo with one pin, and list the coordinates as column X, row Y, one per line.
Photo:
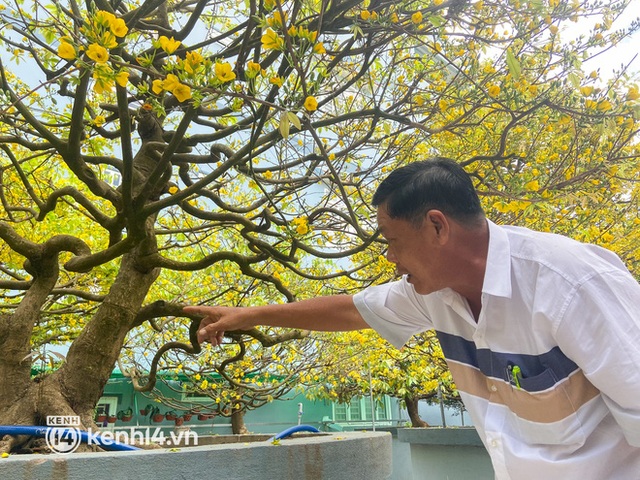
column 541, row 333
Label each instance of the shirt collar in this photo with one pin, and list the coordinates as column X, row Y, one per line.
column 497, row 275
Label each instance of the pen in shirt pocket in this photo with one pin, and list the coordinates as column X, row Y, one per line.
column 515, row 375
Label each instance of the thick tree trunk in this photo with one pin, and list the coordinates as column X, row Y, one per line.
column 76, row 387
column 237, row 422
column 412, row 410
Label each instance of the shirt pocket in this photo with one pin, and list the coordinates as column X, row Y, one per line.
column 544, row 416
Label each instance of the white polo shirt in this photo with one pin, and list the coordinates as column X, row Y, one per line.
column 550, row 373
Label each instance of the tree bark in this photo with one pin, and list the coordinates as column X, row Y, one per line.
column 412, row 409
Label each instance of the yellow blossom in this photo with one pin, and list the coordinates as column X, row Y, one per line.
column 108, row 40
column 277, row 20
column 118, row 27
column 104, row 18
column 310, row 103
column 271, row 40
column 276, row 80
column 253, row 69
column 157, row 87
column 633, row 93
column 416, row 18
column 365, row 15
column 224, row 72
column 173, row 190
column 394, row 18
column 532, row 186
column 66, row 51
column 586, row 90
column 604, row 105
column 169, row 45
column 319, row 48
column 192, row 61
column 122, row 78
column 182, row 92
column 102, row 84
column 97, row 53
column 493, row 90
column 170, row 83
column 204, row 384
column 99, row 120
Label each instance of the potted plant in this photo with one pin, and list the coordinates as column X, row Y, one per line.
column 101, row 417
column 146, row 410
column 155, row 415
column 187, row 416
column 171, row 415
column 179, row 421
column 112, row 418
column 125, row 415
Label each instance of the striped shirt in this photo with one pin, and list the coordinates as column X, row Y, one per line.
column 550, row 373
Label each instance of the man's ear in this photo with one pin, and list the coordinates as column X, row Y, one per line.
column 438, row 222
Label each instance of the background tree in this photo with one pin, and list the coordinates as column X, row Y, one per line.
column 262, row 129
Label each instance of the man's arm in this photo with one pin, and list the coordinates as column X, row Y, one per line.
column 332, row 313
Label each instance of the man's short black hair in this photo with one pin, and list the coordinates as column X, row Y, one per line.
column 439, row 183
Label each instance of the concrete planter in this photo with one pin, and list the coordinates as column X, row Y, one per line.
column 447, row 453
column 347, row 455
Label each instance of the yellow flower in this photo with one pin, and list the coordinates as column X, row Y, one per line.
column 271, row 40
column 365, row 15
column 99, row 120
column 102, row 85
column 310, row 103
column 277, row 20
column 276, row 80
column 170, row 83
column 253, row 69
column 108, row 40
column 224, row 73
column 169, row 45
column 173, row 190
column 97, row 53
column 157, row 87
column 104, row 18
column 122, row 78
column 416, row 18
column 604, row 105
column 204, row 384
column 118, row 27
column 66, row 51
column 182, row 92
column 632, row 94
column 532, row 186
column 586, row 91
column 493, row 90
column 394, row 18
column 192, row 61
column 319, row 48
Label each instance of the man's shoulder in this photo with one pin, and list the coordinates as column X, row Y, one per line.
column 559, row 252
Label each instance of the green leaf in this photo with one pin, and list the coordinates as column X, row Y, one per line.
column 574, row 78
column 293, row 118
column 284, row 124
column 437, row 20
column 513, row 64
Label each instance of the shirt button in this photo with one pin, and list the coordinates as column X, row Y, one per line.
column 494, row 444
column 494, row 388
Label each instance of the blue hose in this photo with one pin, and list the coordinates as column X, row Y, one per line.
column 294, row 429
column 106, row 443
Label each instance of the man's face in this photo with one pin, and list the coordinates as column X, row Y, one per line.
column 413, row 249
